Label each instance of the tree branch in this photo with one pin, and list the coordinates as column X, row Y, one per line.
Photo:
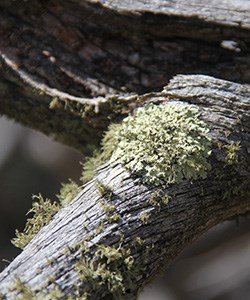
column 84, row 250
column 62, row 63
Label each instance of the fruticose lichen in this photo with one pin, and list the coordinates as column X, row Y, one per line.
column 109, row 266
column 159, row 199
column 103, row 190
column 108, row 146
column 144, row 217
column 25, row 293
column 232, row 156
column 43, row 211
column 165, row 144
column 68, row 192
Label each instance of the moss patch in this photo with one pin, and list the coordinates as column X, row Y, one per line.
column 23, row 289
column 110, row 267
column 25, row 292
column 232, row 156
column 108, row 146
column 164, row 144
column 68, row 192
column 144, row 217
column 43, row 211
column 103, row 190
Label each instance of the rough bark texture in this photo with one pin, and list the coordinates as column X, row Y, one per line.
column 69, row 68
column 193, row 207
column 64, row 64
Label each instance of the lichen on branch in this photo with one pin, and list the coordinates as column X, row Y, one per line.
column 43, row 211
column 164, row 144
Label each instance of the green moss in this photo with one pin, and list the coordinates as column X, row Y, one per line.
column 154, row 200
column 99, row 228
column 110, row 267
column 144, row 217
column 139, row 240
column 107, row 207
column 159, row 199
column 109, row 210
column 25, row 293
column 23, row 290
column 114, row 218
column 232, row 156
column 103, row 190
column 85, row 296
column 43, row 211
column 68, row 192
column 164, row 144
column 51, row 279
column 165, row 199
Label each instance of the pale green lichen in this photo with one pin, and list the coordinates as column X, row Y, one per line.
column 159, row 199
column 68, row 192
column 164, row 144
column 103, row 190
column 139, row 240
column 144, row 217
column 109, row 209
column 25, row 292
column 43, row 211
column 110, row 267
column 232, row 156
column 108, row 146
column 165, row 199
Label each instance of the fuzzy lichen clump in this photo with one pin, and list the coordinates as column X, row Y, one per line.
column 111, row 267
column 232, row 156
column 43, row 211
column 164, row 144
column 108, row 146
column 68, row 192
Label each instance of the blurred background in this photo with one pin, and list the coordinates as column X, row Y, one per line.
column 217, row 266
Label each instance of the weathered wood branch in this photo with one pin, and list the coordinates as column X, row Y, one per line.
column 74, row 237
column 68, row 68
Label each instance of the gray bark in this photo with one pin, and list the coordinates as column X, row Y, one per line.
column 193, row 209
column 66, row 67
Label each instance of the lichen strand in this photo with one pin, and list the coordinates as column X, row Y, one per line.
column 232, row 156
column 159, row 199
column 164, row 144
column 43, row 211
column 23, row 289
column 108, row 146
column 109, row 267
column 25, row 292
column 68, row 192
column 103, row 190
